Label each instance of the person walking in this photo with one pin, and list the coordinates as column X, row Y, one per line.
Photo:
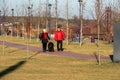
column 44, row 39
column 59, row 36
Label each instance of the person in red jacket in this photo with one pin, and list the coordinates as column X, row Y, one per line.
column 44, row 39
column 59, row 37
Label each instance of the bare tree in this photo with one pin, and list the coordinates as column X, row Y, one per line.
column 5, row 11
column 116, row 11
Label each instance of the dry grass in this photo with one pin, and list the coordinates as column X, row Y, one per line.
column 90, row 48
column 48, row 67
column 41, row 66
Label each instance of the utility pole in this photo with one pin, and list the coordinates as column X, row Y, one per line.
column 67, row 24
column 98, row 22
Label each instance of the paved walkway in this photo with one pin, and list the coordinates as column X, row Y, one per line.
column 63, row 54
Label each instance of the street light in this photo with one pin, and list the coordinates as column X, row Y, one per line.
column 67, row 24
column 29, row 14
column 49, row 20
column 98, row 22
column 0, row 13
column 56, row 12
column 80, row 22
column 0, row 24
column 28, row 27
column 28, row 30
column 12, row 12
column 30, row 19
column 0, row 16
column 12, row 34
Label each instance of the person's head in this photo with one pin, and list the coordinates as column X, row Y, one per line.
column 58, row 27
column 44, row 30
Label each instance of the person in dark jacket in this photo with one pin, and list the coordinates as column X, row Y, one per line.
column 44, row 39
column 59, row 37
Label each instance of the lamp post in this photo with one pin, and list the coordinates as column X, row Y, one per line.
column 1, row 26
column 12, row 34
column 0, row 15
column 80, row 22
column 12, row 12
column 0, row 23
column 49, row 20
column 56, row 1
column 67, row 24
column 28, row 27
column 98, row 22
column 46, row 22
column 28, row 31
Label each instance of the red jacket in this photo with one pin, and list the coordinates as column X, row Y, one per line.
column 59, row 35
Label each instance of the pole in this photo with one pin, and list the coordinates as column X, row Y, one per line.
column 3, row 40
column 38, row 33
column 81, row 21
column 79, row 24
column 17, row 30
column 23, row 31
column 39, row 23
column 31, row 7
column 46, row 14
column 12, row 23
column 29, row 21
column 0, row 23
column 67, row 23
column 27, row 47
column 0, row 16
column 56, row 13
column 28, row 31
column 98, row 21
column 49, row 24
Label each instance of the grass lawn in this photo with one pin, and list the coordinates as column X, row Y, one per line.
column 15, row 65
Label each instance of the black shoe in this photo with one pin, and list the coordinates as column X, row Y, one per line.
column 62, row 49
column 58, row 50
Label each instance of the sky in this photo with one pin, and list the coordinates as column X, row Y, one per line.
column 73, row 9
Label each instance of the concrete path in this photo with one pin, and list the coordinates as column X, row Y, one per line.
column 63, row 54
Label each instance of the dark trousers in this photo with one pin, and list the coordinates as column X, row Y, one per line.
column 44, row 45
column 59, row 45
